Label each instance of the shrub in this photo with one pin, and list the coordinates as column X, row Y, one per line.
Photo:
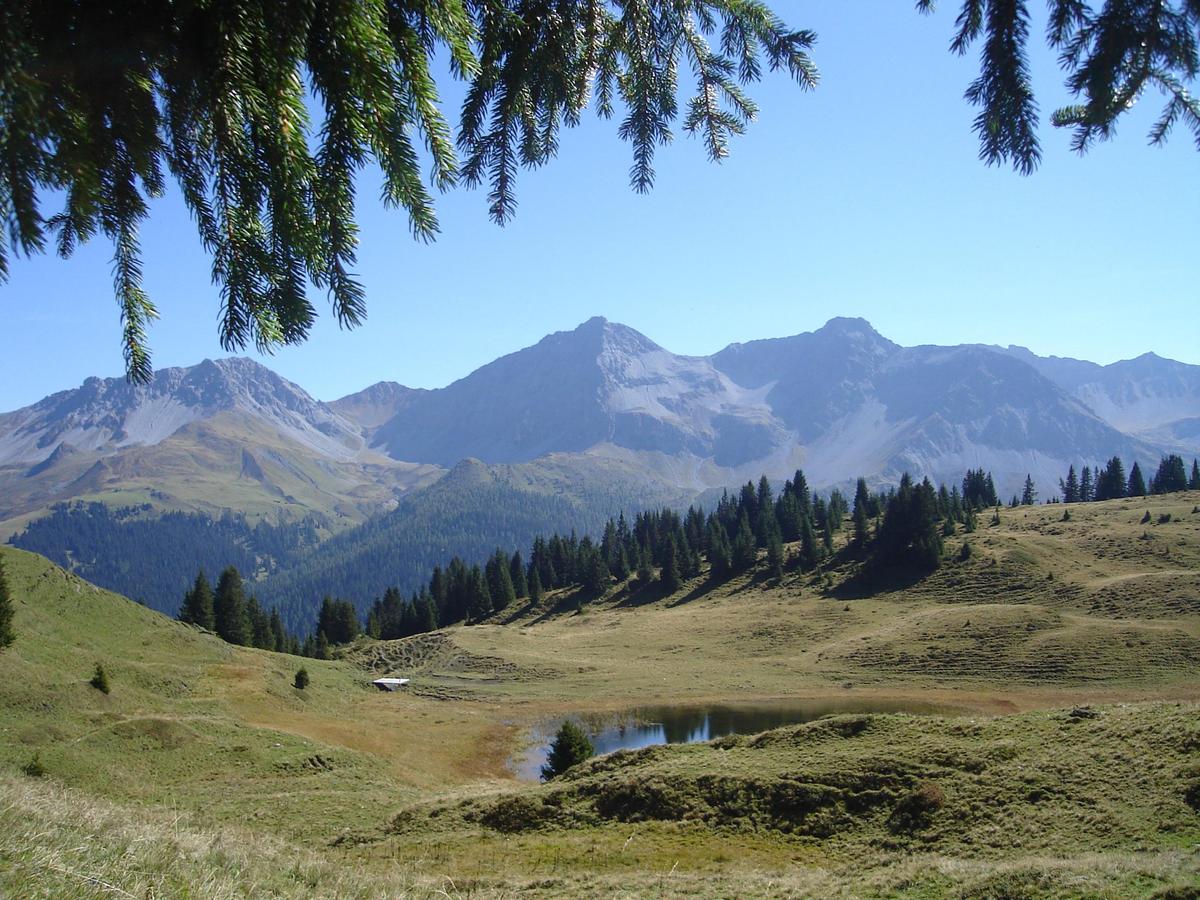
column 34, row 768
column 571, row 747
column 511, row 815
column 1164, row 518
column 1191, row 795
column 1066, row 515
column 965, row 552
column 100, row 679
column 301, row 680
column 914, row 810
column 1146, row 518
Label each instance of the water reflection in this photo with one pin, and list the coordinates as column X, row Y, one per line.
column 647, row 726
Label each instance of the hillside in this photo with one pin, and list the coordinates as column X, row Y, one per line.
column 581, row 425
column 202, row 745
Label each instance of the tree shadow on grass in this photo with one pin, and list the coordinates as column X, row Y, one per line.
column 871, row 582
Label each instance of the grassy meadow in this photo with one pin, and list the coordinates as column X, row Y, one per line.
column 1064, row 654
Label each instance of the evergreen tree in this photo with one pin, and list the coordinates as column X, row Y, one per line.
column 837, row 510
column 787, row 513
column 1070, row 487
column 479, row 606
column 720, row 553
column 516, row 573
column 827, row 535
column 809, row 556
column 1194, row 481
column 499, row 580
column 259, row 625
column 100, row 680
column 197, row 608
column 1087, row 490
column 322, row 647
column 595, row 573
column 7, row 634
column 279, row 635
column 862, row 525
column 535, row 586
column 1137, row 482
column 744, row 549
column 427, row 619
column 1170, row 477
column 775, row 554
column 645, row 569
column 570, row 747
column 1028, row 494
column 669, row 574
column 300, row 682
column 1110, row 482
column 346, row 628
column 909, row 534
column 229, row 608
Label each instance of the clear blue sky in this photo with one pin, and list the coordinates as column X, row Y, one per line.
column 863, row 198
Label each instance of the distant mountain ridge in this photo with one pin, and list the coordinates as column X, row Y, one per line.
column 840, row 401
column 581, row 425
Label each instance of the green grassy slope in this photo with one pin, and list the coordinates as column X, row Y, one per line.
column 206, row 771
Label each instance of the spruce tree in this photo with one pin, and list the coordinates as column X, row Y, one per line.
column 1028, row 494
column 229, row 607
column 1137, row 482
column 1070, row 487
column 100, row 680
column 1170, row 477
column 279, row 635
column 499, row 580
column 669, row 574
column 1110, row 482
column 259, row 625
column 570, row 747
column 1194, row 481
column 197, row 608
column 809, row 556
column 1086, row 488
column 720, row 553
column 479, row 605
column 7, row 634
column 775, row 554
column 516, row 574
column 535, row 587
column 862, row 525
column 595, row 573
column 744, row 549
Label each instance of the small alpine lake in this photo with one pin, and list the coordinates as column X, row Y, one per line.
column 647, row 726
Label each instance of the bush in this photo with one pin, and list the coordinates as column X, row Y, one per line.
column 914, row 811
column 1191, row 795
column 1164, row 518
column 34, row 768
column 100, row 679
column 571, row 747
column 301, row 680
column 965, row 552
column 1146, row 518
column 511, row 815
column 1066, row 515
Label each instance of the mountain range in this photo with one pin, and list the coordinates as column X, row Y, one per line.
column 591, row 420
